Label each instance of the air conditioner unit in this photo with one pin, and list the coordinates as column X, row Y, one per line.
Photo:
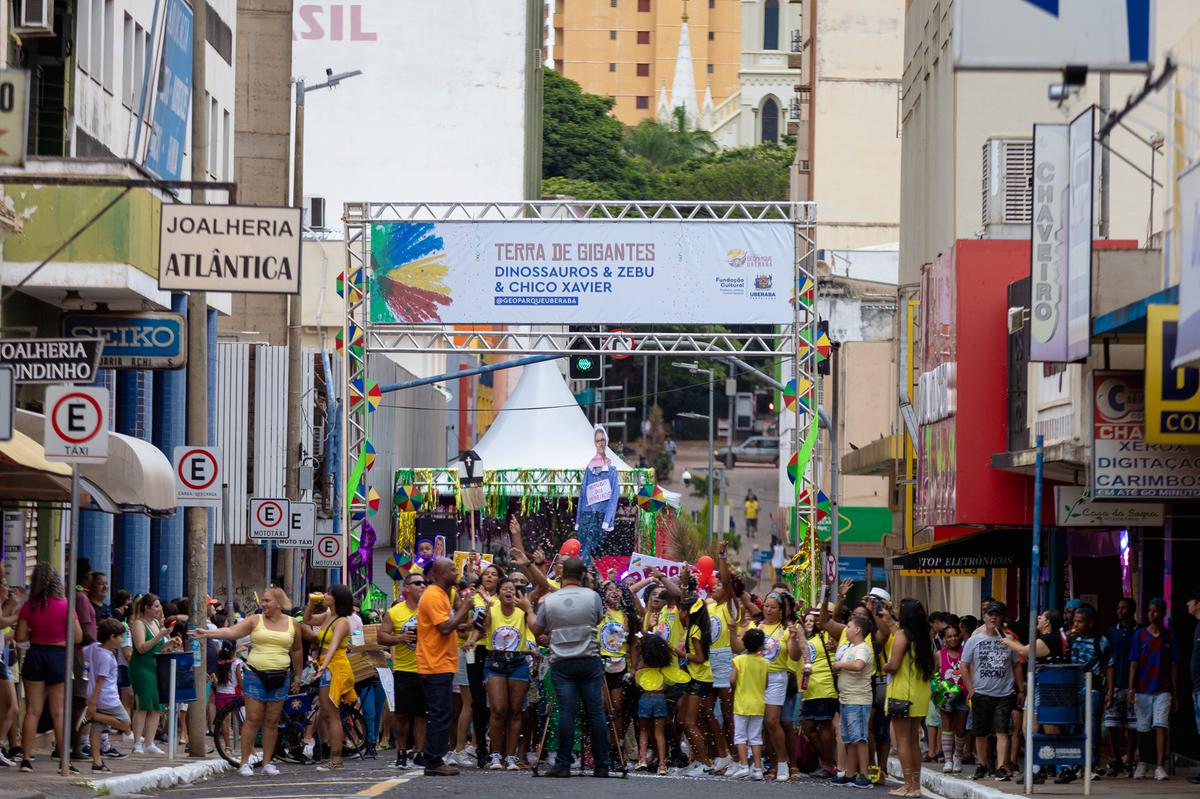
column 314, row 213
column 36, row 18
column 1007, row 204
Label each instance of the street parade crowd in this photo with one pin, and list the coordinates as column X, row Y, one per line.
column 691, row 676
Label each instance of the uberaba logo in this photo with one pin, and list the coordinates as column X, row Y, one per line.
column 762, row 287
column 739, row 259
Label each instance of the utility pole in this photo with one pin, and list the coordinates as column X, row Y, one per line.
column 196, row 519
column 295, row 352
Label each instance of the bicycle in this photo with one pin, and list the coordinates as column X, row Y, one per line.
column 299, row 714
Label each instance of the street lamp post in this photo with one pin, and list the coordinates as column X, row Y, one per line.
column 697, row 370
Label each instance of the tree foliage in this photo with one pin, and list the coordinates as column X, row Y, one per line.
column 664, row 146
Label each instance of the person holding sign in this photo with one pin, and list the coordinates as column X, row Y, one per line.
column 598, row 497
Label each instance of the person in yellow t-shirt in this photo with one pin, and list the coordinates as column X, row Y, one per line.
column 507, row 670
column 613, row 633
column 399, row 630
column 693, row 655
column 751, row 506
column 656, row 672
column 820, row 698
column 749, row 678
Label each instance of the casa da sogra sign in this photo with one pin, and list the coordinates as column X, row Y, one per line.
column 229, row 248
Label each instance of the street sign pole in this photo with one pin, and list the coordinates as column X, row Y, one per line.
column 64, row 747
column 228, row 535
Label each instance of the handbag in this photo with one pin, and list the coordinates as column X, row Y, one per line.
column 898, row 708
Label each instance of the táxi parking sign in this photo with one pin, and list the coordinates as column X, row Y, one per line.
column 1124, row 465
column 269, row 519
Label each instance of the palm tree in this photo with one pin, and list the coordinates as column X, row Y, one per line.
column 663, row 146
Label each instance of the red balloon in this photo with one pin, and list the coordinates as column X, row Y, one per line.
column 705, row 565
column 570, row 548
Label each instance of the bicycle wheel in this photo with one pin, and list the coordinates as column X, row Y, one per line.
column 227, row 732
column 354, row 733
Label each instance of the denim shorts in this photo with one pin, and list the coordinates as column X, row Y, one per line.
column 1153, row 710
column 510, row 668
column 721, row 661
column 818, row 709
column 1120, row 713
column 855, row 720
column 653, row 706
column 460, row 676
column 252, row 687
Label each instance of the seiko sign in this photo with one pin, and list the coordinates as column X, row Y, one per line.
column 229, row 248
column 133, row 340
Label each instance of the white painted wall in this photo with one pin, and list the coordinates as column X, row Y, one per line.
column 438, row 113
column 113, row 39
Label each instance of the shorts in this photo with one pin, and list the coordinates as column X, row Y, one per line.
column 933, row 717
column 1152, row 710
column 747, row 729
column 253, row 688
column 698, row 688
column 776, row 688
column 653, row 706
column 123, row 677
column 339, row 679
column 721, row 661
column 615, row 680
column 46, row 664
column 410, row 694
column 992, row 715
column 1119, row 715
column 855, row 721
column 510, row 668
column 460, row 676
column 818, row 709
column 787, row 713
column 119, row 713
column 224, row 700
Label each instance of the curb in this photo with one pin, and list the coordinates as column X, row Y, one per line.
column 947, row 786
column 167, row 777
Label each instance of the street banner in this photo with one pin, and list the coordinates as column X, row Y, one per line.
column 1172, row 395
column 1048, row 267
column 581, row 272
column 1124, row 464
column 1187, row 344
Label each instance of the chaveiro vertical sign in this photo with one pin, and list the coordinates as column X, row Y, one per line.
column 1186, row 351
column 229, row 248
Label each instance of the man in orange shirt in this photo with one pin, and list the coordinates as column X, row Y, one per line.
column 437, row 660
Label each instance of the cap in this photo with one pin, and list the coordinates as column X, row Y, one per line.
column 880, row 593
column 995, row 607
column 1073, row 604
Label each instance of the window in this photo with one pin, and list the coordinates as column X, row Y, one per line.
column 712, row 36
column 109, row 55
column 710, row 69
column 218, row 35
column 643, row 5
column 769, row 120
column 84, row 42
column 127, row 62
column 612, row 35
column 643, row 70
column 643, row 37
column 613, row 3
column 643, row 102
column 97, row 45
column 612, row 67
column 771, row 25
column 226, row 144
column 214, row 114
column 712, row 3
column 141, row 46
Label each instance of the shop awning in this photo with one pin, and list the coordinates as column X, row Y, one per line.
column 990, row 549
column 881, row 458
column 1066, row 462
column 137, row 476
column 1129, row 321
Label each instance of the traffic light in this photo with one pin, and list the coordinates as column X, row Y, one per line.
column 585, row 367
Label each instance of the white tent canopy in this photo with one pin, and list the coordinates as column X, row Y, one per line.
column 540, row 427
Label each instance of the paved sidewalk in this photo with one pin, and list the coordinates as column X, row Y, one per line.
column 950, row 786
column 131, row 774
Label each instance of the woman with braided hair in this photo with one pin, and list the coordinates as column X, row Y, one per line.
column 615, row 633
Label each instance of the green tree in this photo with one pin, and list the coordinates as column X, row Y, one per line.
column 579, row 189
column 749, row 174
column 664, row 146
column 581, row 138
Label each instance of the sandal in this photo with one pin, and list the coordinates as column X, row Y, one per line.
column 662, row 771
column 642, row 766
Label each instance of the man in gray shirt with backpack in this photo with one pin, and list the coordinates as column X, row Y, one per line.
column 569, row 616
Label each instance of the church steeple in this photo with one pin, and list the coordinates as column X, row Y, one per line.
column 683, row 88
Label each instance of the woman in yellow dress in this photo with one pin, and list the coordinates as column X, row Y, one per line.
column 337, row 678
column 910, row 664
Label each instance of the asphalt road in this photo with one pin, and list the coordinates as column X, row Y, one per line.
column 376, row 779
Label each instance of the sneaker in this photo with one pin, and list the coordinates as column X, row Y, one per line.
column 246, row 770
column 26, row 765
column 329, row 766
column 875, row 775
column 1065, row 776
column 721, row 764
column 958, row 764
column 1160, row 773
column 495, row 764
column 139, row 749
column 781, row 773
column 401, row 759
column 842, row 780
column 822, row 774
column 113, row 752
column 695, row 770
column 756, row 774
column 5, row 761
column 269, row 770
column 531, row 758
column 862, row 782
column 948, row 767
column 1114, row 768
column 152, row 749
column 1002, row 774
column 511, row 764
column 737, row 772
column 309, row 748
column 468, row 750
column 1139, row 773
column 418, row 760
column 559, row 772
column 980, row 772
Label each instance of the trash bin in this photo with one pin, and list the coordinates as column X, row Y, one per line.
column 185, row 677
column 1057, row 700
